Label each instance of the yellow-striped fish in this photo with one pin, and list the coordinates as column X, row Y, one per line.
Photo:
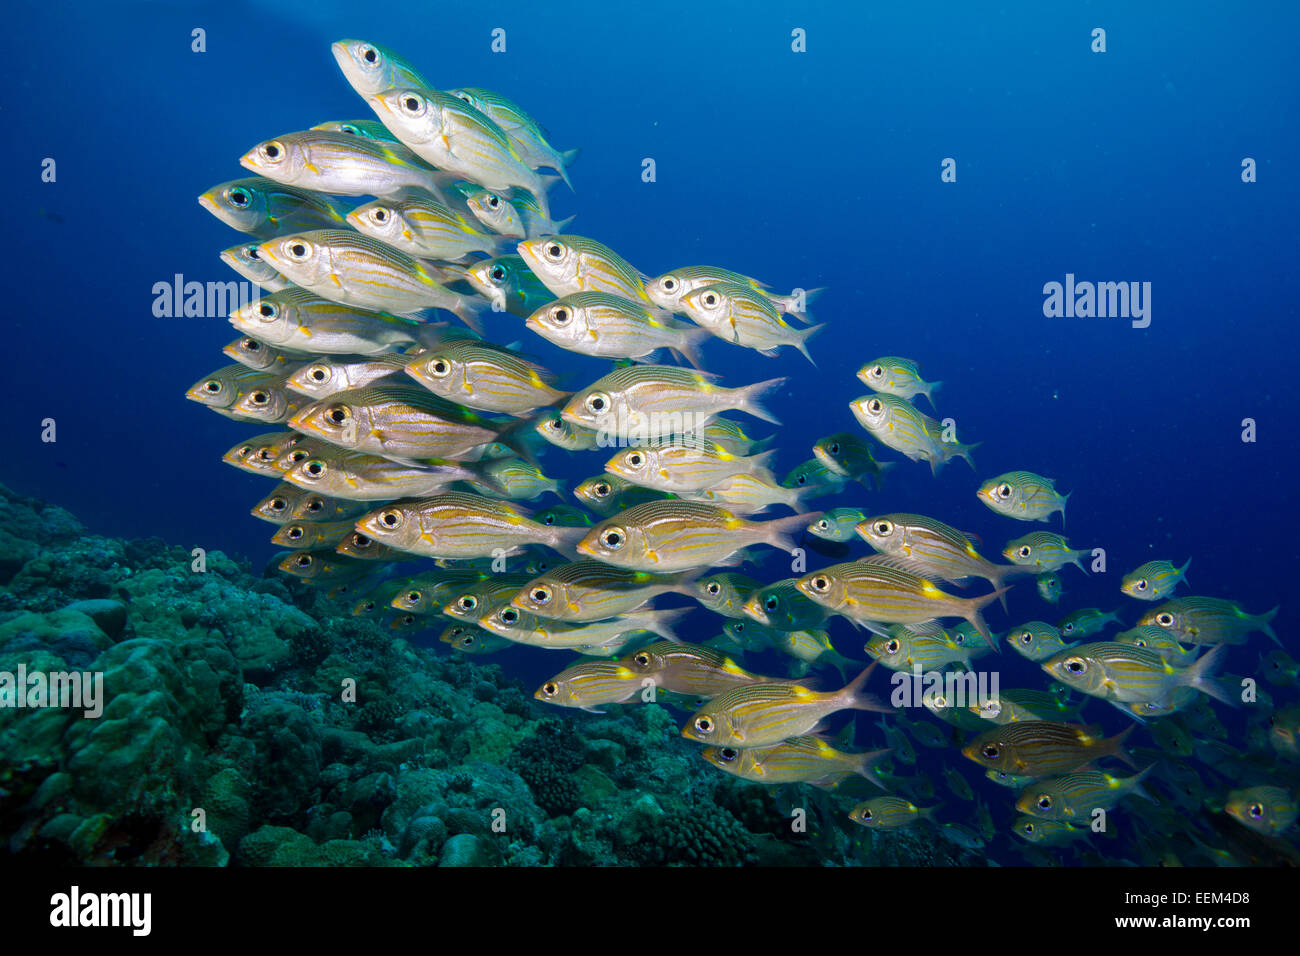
column 892, row 375
column 327, row 376
column 1154, row 580
column 359, row 477
column 570, row 264
column 604, row 325
column 299, row 320
column 1023, row 495
column 371, row 68
column 743, row 316
column 1206, row 620
column 460, row 525
column 890, row 813
column 592, row 684
column 1126, row 673
column 1044, row 748
column 251, row 353
column 1076, row 795
column 341, row 164
column 797, row 760
column 1043, row 550
column 683, row 464
column 666, row 291
column 264, row 208
column 896, row 424
column 643, row 401
column 691, row 669
column 933, row 549
column 1268, row 810
column 1036, row 640
column 584, row 591
column 522, row 130
column 245, row 260
column 422, row 228
column 484, row 376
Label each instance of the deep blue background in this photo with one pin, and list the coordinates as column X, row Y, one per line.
column 807, row 169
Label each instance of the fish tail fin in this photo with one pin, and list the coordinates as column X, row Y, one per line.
column 1201, row 675
column 470, row 311
column 801, row 340
column 867, row 763
column 882, row 468
column 1137, row 788
column 928, row 392
column 557, row 228
column 964, row 452
column 747, row 398
column 1064, row 500
column 1264, row 621
column 778, row 532
column 976, row 605
column 1074, row 559
column 1116, row 746
column 565, row 541
column 661, row 622
column 856, row 697
column 804, row 315
column 1182, row 573
column 927, row 813
column 689, row 346
column 566, row 160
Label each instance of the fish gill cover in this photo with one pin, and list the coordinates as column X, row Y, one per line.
column 562, row 579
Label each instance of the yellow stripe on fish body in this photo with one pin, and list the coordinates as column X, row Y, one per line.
column 1023, row 495
column 690, row 669
column 485, row 377
column 590, row 684
column 1076, row 794
column 592, row 591
column 567, row 264
column 1205, row 620
column 421, row 228
column 459, row 525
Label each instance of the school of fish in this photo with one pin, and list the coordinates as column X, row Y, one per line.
column 400, row 435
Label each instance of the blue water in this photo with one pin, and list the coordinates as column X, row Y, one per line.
column 804, row 169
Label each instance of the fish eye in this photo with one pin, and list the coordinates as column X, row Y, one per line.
column 467, row 602
column 884, row 527
column 866, row 814
column 303, row 561
column 508, row 615
column 251, row 252
column 1003, row 491
column 601, row 489
column 1256, row 811
column 834, row 449
column 498, row 273
column 440, row 367
column 272, row 151
column 318, row 373
column 550, row 689
column 412, row 597
column 408, row 619
column 359, row 540
column 1165, row 619
column 541, row 595
column 299, row 250
column 1027, row 829
column 413, row 104
column 1027, row 637
column 738, row 626
column 338, row 414
column 612, row 538
column 703, row 725
column 823, row 524
column 892, row 646
column 294, row 532
column 991, row 751
column 391, row 519
column 820, row 583
column 1140, row 584
column 802, row 480
column 1044, row 802
column 315, row 505
column 642, row 659
column 1024, row 551
column 710, row 299
column 277, row 504
column 1076, row 665
column 713, row 588
column 878, row 371
column 728, row 754
column 494, row 201
column 250, row 345
column 239, row 197
column 597, row 402
column 554, row 250
column 379, row 215
column 1139, row 643
column 212, row 386
column 468, row 640
column 771, row 603
column 259, row 398
column 548, row 519
column 560, row 315
column 635, row 459
column 370, row 54
column 1068, row 628
column 267, row 310
column 875, row 405
column 668, row 283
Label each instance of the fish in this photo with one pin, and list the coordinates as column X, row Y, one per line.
column 477, row 598
column 726, row 593
column 674, row 535
column 277, row 507
column 259, row 454
column 341, row 164
column 370, row 68
column 1043, row 550
column 963, row 836
column 1077, row 795
column 251, row 353
column 227, row 385
column 742, row 316
column 518, row 217
column 461, row 525
column 1010, row 780
column 1159, row 640
column 568, row 264
column 891, row 375
column 837, row 524
column 813, row 479
column 1128, row 674
column 298, row 320
column 667, row 290
column 270, row 404
column 471, row 639
column 423, row 228
column 1279, row 668
column 683, row 464
column 1086, row 622
column 323, row 567
column 312, row 534
column 691, row 669
column 522, row 130
column 326, row 376
column 1025, row 705
column 360, row 546
column 311, row 506
column 890, row 813
column 1042, row 832
column 1037, row 640
column 359, row 271
column 796, row 760
column 245, row 260
column 588, row 685
column 757, row 715
column 896, row 424
column 361, row 477
column 1154, row 580
column 849, row 456
column 902, row 650
column 585, row 591
column 364, row 128
column 604, row 325
column 607, row 494
column 525, row 628
column 747, row 493
column 509, row 285
column 644, row 401
column 561, row 434
column 1205, row 620
column 783, row 607
column 1044, row 748
column 264, row 208
column 1024, row 496
column 933, row 549
column 873, row 594
column 1049, row 587
column 453, row 136
column 400, row 421
column 957, row 784
column 485, row 377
